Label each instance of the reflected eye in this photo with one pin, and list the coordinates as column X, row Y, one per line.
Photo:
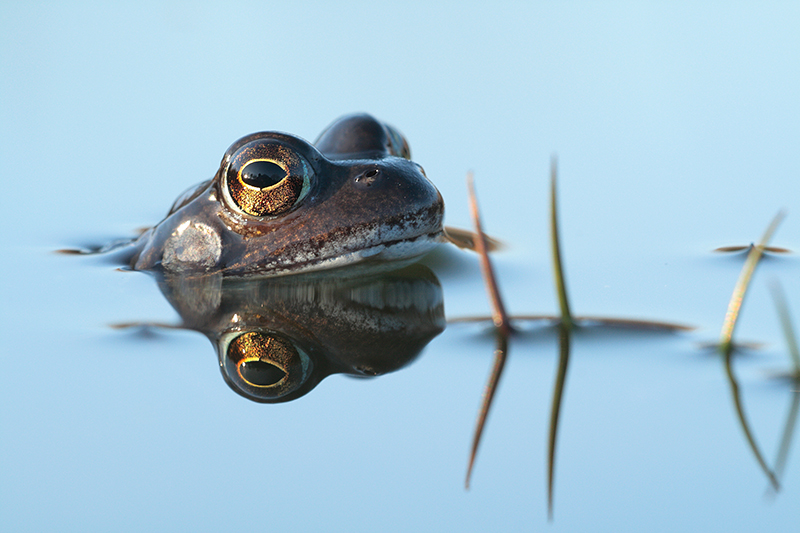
column 262, row 360
column 260, row 373
column 265, row 365
column 266, row 178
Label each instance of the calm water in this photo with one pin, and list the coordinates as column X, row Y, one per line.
column 676, row 130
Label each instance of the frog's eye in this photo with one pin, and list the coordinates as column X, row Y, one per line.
column 397, row 143
column 264, row 365
column 266, row 178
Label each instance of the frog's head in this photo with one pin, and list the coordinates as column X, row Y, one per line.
column 279, row 205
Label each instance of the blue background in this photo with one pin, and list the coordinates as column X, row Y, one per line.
column 676, row 127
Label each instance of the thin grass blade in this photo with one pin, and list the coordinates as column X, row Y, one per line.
column 737, row 402
column 788, row 433
column 786, row 324
column 466, row 239
column 499, row 316
column 555, row 410
column 500, row 320
column 742, row 248
column 486, row 403
column 740, row 289
column 558, row 270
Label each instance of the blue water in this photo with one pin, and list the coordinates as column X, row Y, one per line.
column 676, row 130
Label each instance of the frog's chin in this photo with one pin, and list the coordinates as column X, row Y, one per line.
column 384, row 256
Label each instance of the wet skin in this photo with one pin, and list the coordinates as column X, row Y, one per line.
column 279, row 205
column 276, row 338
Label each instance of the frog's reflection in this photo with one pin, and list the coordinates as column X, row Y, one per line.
column 277, row 338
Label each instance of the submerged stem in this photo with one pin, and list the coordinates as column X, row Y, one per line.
column 486, row 403
column 786, row 324
column 555, row 410
column 501, row 324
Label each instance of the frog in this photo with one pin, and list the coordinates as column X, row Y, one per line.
column 276, row 338
column 280, row 205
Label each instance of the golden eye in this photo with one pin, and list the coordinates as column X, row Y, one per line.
column 269, row 365
column 267, row 178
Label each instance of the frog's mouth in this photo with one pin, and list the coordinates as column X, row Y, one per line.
column 394, row 242
column 393, row 254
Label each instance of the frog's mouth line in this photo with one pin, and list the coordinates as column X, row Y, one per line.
column 395, row 253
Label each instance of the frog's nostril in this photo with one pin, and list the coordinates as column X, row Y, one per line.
column 367, row 178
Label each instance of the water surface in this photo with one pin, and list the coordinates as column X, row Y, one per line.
column 676, row 130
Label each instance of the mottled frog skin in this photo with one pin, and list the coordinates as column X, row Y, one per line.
column 280, row 205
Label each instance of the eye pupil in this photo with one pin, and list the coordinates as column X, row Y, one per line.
column 260, row 373
column 265, row 178
column 262, row 174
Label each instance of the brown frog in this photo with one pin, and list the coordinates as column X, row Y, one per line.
column 280, row 205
